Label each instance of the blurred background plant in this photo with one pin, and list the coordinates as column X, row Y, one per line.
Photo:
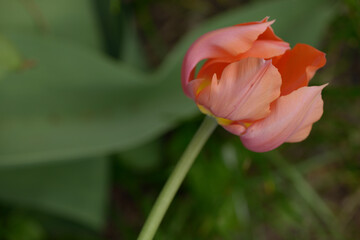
column 93, row 119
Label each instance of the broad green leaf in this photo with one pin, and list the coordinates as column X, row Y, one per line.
column 76, row 103
column 75, row 190
column 131, row 50
column 142, row 158
column 71, row 20
column 9, row 57
column 119, row 31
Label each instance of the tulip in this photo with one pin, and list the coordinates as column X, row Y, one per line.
column 254, row 85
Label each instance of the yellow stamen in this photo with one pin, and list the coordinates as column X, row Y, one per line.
column 223, row 121
column 247, row 124
column 203, row 85
column 204, row 110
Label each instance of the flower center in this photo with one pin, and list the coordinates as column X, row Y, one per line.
column 203, row 85
column 220, row 120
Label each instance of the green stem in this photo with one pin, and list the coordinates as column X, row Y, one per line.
column 176, row 178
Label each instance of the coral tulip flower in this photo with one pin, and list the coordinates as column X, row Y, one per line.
column 254, row 84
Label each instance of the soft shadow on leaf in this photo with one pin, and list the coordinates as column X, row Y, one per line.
column 143, row 158
column 75, row 190
column 59, row 109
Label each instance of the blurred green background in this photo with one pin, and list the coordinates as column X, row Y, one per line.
column 93, row 120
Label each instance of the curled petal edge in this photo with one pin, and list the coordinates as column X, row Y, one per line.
column 290, row 120
column 224, row 42
column 298, row 65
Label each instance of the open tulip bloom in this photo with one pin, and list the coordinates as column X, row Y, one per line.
column 254, row 84
column 255, row 87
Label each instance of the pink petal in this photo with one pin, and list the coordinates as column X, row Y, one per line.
column 269, row 35
column 290, row 120
column 260, row 49
column 194, row 86
column 298, row 65
column 235, row 128
column 267, row 49
column 230, row 41
column 244, row 91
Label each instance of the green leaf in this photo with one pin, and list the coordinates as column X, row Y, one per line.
column 142, row 158
column 76, row 103
column 75, row 190
column 70, row 20
column 9, row 57
column 308, row 193
column 132, row 52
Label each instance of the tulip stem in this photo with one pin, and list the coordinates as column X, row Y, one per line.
column 176, row 178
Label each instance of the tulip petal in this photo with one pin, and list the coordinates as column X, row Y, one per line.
column 230, row 41
column 269, row 35
column 298, row 65
column 260, row 49
column 195, row 86
column 235, row 128
column 244, row 91
column 267, row 49
column 290, row 120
